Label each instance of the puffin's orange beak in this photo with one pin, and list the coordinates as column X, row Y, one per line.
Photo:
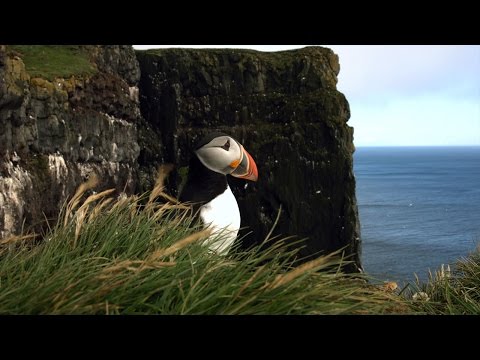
column 245, row 168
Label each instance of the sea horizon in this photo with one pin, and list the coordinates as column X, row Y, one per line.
column 418, row 206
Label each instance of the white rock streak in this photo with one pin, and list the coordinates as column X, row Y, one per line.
column 11, row 198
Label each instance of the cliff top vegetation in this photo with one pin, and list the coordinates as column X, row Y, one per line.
column 51, row 61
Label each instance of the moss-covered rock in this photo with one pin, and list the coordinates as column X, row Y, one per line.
column 65, row 112
column 285, row 108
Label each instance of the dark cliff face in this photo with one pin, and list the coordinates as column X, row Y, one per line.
column 285, row 109
column 54, row 131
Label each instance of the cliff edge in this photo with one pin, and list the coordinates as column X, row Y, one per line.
column 65, row 112
column 69, row 111
column 285, row 108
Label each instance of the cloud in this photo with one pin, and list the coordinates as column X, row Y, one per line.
column 390, row 71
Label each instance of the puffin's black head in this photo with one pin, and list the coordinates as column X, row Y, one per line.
column 221, row 153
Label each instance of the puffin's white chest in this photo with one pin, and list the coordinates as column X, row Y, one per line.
column 223, row 216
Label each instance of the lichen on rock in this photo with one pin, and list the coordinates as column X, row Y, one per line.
column 63, row 129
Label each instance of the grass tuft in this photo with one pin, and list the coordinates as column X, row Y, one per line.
column 133, row 255
column 450, row 290
column 54, row 61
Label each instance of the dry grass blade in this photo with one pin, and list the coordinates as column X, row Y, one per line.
column 98, row 208
column 249, row 281
column 302, row 269
column 122, row 201
column 169, row 198
column 157, row 264
column 79, row 221
column 160, row 210
column 132, row 265
column 16, row 238
column 108, row 286
column 180, row 219
column 180, row 244
column 157, row 190
column 118, row 267
column 95, row 197
column 73, row 203
column 87, row 185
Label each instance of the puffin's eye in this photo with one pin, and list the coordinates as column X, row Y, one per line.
column 227, row 145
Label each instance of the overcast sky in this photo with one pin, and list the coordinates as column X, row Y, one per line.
column 404, row 95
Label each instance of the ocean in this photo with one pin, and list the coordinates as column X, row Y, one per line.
column 419, row 208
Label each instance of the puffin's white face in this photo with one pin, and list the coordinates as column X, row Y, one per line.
column 225, row 155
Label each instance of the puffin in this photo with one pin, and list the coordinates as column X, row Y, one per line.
column 214, row 157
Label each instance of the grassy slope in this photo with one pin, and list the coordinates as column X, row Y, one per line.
column 453, row 292
column 117, row 257
column 51, row 61
column 131, row 255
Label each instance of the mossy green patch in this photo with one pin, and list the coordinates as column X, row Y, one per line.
column 38, row 167
column 183, row 172
column 52, row 61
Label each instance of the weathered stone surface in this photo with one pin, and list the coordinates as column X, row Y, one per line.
column 54, row 134
column 118, row 60
column 285, row 109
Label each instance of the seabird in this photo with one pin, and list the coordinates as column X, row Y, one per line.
column 207, row 189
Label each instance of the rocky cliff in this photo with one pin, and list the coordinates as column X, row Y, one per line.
column 285, row 109
column 56, row 129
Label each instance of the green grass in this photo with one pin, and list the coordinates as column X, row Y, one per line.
column 136, row 255
column 133, row 255
column 52, row 61
column 449, row 291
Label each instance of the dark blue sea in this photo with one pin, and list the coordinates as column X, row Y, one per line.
column 419, row 208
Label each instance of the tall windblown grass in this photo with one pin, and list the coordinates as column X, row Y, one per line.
column 144, row 255
column 450, row 290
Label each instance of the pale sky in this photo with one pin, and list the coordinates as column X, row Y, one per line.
column 403, row 95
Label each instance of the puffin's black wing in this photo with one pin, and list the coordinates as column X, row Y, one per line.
column 203, row 185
